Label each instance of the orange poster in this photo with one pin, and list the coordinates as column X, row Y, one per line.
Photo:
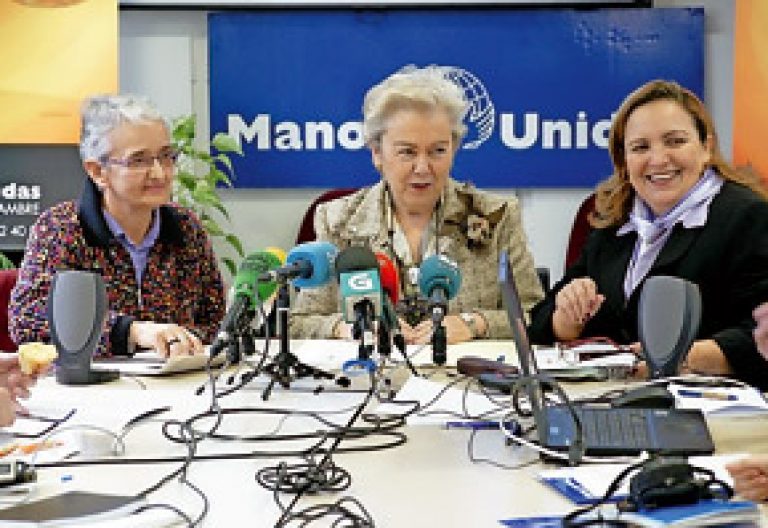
column 53, row 53
column 750, row 85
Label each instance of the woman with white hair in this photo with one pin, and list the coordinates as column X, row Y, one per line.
column 163, row 285
column 413, row 125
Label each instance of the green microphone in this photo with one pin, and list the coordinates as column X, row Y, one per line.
column 247, row 293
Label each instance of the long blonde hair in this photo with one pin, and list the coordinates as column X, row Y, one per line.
column 613, row 197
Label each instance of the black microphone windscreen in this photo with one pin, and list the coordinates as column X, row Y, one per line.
column 668, row 321
column 356, row 258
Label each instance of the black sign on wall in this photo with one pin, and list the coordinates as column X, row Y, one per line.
column 32, row 179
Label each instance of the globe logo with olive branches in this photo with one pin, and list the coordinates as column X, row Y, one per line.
column 481, row 113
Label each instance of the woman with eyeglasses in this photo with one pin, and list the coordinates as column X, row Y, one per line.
column 163, row 285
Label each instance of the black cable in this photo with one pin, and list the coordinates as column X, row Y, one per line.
column 310, row 477
column 181, row 472
column 186, row 518
column 473, row 458
column 310, row 480
column 569, row 520
column 339, row 509
column 397, row 439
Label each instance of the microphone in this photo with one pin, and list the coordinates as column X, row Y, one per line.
column 390, row 284
column 360, row 288
column 248, row 292
column 309, row 265
column 390, row 278
column 439, row 281
column 268, row 303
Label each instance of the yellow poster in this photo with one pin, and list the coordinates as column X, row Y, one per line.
column 750, row 85
column 53, row 53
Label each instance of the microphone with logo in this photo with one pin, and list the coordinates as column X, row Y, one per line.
column 307, row 265
column 360, row 289
column 439, row 282
column 248, row 295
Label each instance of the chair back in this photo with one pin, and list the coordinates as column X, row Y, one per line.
column 7, row 281
column 579, row 231
column 307, row 228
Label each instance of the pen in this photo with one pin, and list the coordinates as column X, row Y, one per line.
column 710, row 395
column 510, row 425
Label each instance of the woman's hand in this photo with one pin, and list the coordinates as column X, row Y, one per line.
column 761, row 331
column 342, row 330
column 7, row 408
column 704, row 357
column 456, row 331
column 166, row 339
column 15, row 385
column 575, row 304
column 416, row 335
column 750, row 477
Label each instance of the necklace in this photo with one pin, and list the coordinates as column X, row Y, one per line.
column 409, row 273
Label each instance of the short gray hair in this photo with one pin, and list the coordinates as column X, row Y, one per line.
column 103, row 113
column 411, row 87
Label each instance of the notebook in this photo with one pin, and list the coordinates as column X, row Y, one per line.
column 607, row 431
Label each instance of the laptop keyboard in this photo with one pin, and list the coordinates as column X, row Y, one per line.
column 617, row 428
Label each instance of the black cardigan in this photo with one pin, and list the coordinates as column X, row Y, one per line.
column 727, row 258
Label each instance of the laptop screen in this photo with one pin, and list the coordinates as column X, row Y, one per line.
column 516, row 316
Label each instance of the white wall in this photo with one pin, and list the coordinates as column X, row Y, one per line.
column 164, row 55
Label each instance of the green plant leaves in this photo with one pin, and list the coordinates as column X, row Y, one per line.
column 183, row 129
column 225, row 143
column 198, row 174
column 235, row 243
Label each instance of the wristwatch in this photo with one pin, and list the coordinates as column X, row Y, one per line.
column 469, row 320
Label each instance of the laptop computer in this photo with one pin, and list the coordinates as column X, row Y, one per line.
column 606, row 430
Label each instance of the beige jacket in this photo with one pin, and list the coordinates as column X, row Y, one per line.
column 361, row 219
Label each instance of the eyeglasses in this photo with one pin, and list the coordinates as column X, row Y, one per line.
column 143, row 162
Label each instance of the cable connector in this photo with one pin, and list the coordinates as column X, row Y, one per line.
column 14, row 472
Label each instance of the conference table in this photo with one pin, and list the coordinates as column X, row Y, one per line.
column 413, row 475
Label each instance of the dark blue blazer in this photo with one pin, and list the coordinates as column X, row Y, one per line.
column 727, row 258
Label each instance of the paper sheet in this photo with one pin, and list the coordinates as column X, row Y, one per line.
column 330, row 354
column 719, row 400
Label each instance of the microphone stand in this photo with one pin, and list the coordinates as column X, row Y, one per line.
column 384, row 337
column 232, row 339
column 389, row 333
column 286, row 367
column 362, row 330
column 439, row 337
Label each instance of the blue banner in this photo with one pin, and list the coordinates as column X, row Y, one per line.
column 289, row 85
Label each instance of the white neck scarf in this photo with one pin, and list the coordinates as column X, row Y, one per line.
column 653, row 232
